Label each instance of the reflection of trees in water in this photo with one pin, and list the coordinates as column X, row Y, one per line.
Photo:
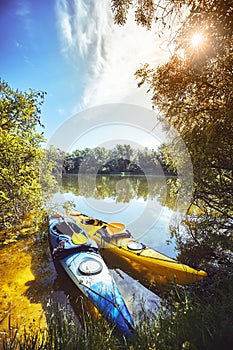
column 120, row 188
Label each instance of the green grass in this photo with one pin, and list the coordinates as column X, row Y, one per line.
column 194, row 318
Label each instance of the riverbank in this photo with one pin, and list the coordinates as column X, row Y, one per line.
column 17, row 280
column 191, row 318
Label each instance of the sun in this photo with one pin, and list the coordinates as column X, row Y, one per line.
column 196, row 39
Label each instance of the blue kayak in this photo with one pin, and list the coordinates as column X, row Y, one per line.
column 72, row 249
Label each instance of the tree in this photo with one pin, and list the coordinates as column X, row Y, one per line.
column 20, row 190
column 193, row 90
column 52, row 167
column 147, row 11
column 194, row 93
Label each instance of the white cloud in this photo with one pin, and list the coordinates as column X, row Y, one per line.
column 64, row 25
column 109, row 54
column 66, row 29
column 23, row 8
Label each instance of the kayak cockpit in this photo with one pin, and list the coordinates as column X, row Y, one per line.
column 92, row 222
column 66, row 228
column 70, row 238
column 108, row 235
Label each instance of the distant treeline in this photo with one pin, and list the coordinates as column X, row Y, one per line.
column 122, row 159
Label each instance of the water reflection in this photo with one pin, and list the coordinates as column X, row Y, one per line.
column 72, row 297
column 121, row 189
column 124, row 266
column 144, row 204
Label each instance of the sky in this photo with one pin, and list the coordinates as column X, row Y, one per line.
column 72, row 50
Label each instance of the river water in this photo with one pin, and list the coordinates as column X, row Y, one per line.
column 29, row 282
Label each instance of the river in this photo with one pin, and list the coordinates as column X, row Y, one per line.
column 29, row 283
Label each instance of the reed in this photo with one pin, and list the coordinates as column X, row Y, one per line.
column 193, row 318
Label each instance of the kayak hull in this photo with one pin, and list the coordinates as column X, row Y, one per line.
column 88, row 271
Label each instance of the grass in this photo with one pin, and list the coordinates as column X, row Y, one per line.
column 192, row 318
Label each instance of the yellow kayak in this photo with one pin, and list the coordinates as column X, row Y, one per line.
column 155, row 267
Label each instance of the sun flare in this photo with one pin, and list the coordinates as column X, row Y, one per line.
column 196, row 39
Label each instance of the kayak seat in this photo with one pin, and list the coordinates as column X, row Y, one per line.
column 88, row 222
column 68, row 229
column 109, row 236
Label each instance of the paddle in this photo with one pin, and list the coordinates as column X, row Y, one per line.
column 74, row 213
column 57, row 215
column 78, row 238
column 116, row 226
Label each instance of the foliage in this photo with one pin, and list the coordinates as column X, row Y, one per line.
column 206, row 127
column 189, row 318
column 162, row 12
column 196, row 314
column 64, row 333
column 51, row 169
column 20, row 195
column 205, row 241
column 194, row 92
column 120, row 159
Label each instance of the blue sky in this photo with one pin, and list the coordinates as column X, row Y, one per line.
column 74, row 52
column 31, row 57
